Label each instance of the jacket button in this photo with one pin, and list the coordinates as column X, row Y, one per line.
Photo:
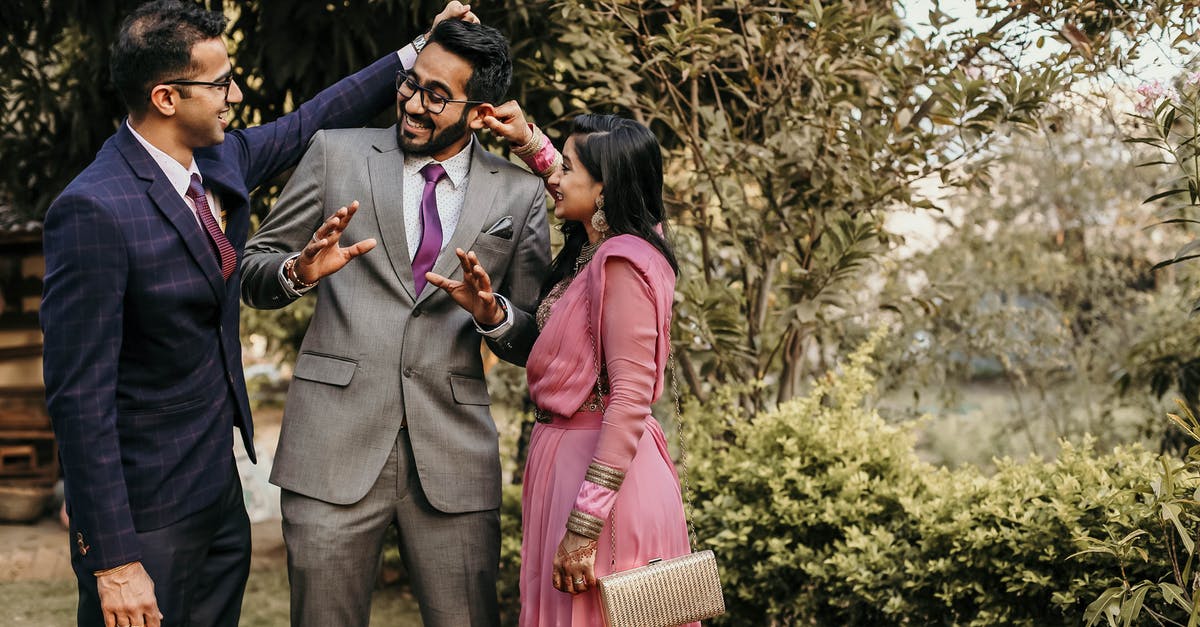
column 416, row 313
column 408, row 373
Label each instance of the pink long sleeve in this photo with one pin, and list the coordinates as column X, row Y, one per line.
column 546, row 159
column 629, row 336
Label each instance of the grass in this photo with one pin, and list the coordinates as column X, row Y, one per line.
column 52, row 603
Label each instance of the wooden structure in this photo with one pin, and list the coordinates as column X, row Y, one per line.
column 28, row 455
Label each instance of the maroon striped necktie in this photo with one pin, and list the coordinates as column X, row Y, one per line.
column 223, row 248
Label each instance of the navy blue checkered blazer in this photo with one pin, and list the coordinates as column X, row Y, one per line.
column 142, row 361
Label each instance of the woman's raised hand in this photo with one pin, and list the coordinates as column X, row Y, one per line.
column 508, row 121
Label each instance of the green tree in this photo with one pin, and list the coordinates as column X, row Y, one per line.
column 794, row 127
column 59, row 104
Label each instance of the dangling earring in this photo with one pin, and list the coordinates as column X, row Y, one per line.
column 599, row 220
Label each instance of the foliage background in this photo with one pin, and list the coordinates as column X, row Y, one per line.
column 800, row 136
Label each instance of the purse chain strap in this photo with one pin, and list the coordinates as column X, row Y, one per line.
column 683, row 474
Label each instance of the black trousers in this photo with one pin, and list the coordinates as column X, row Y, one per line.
column 199, row 566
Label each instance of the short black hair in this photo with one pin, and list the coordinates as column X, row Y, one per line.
column 155, row 44
column 487, row 52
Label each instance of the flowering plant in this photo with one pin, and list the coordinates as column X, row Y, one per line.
column 1173, row 117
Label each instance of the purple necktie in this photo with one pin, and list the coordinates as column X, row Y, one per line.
column 431, row 226
column 224, row 249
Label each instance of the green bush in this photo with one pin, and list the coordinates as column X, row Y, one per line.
column 508, row 586
column 821, row 513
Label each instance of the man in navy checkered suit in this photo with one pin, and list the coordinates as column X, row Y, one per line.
column 142, row 361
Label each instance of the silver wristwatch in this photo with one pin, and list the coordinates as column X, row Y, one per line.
column 419, row 43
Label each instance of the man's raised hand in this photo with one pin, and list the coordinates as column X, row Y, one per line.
column 474, row 292
column 323, row 256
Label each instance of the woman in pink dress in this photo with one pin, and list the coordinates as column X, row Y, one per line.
column 600, row 492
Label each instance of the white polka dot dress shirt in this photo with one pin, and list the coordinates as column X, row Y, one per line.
column 451, row 191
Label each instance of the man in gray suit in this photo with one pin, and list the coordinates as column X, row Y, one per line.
column 387, row 416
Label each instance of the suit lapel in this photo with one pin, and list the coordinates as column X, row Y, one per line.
column 477, row 205
column 386, row 169
column 173, row 208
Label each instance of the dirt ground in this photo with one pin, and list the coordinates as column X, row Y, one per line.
column 37, row 585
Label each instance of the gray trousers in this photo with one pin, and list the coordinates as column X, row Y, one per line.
column 333, row 552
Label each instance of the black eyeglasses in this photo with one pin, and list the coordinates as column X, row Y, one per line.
column 222, row 84
column 432, row 101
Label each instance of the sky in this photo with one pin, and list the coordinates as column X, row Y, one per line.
column 923, row 230
column 1157, row 62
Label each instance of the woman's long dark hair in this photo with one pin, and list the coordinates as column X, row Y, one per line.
column 627, row 160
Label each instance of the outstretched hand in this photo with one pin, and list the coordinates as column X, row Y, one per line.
column 322, row 256
column 508, row 121
column 473, row 293
column 454, row 10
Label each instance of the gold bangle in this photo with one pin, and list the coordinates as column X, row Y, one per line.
column 585, row 524
column 604, row 476
column 554, row 166
column 533, row 146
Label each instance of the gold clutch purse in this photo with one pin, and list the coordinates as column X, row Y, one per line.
column 680, row 590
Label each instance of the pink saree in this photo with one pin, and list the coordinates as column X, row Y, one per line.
column 622, row 299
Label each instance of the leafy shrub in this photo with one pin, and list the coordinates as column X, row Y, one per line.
column 821, row 513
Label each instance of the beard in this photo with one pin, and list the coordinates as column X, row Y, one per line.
column 437, row 142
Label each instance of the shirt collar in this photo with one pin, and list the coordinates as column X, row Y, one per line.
column 457, row 167
column 178, row 176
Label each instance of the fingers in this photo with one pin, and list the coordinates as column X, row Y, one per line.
column 456, row 11
column 473, row 272
column 333, row 223
column 572, row 579
column 464, row 261
column 360, row 248
column 496, row 126
column 442, row 282
column 508, row 121
column 507, row 110
column 481, row 278
column 467, row 262
column 330, row 232
column 589, row 575
column 576, row 582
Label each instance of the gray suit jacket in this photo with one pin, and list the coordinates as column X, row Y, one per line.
column 376, row 352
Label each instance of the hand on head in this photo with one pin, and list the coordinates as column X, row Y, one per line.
column 455, row 10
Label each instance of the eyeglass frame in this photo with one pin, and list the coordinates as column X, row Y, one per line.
column 427, row 94
column 226, row 84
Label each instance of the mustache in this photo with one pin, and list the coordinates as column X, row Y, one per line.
column 425, row 120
